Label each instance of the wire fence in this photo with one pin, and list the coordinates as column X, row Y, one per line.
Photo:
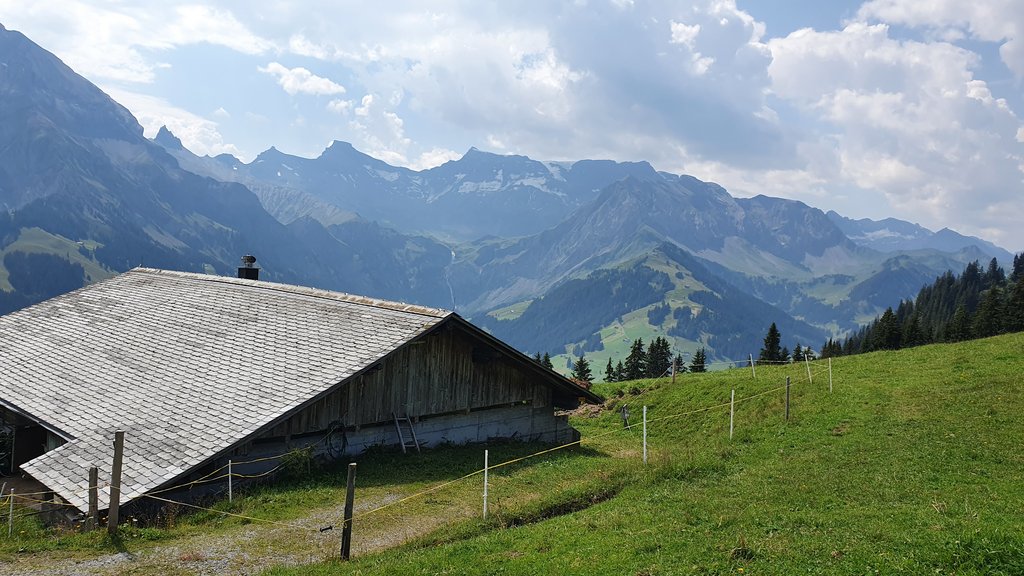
column 216, row 475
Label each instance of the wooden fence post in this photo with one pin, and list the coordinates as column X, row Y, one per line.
column 753, row 373
column 807, row 363
column 115, row 483
column 787, row 398
column 732, row 411
column 346, row 532
column 485, row 482
column 92, row 521
column 645, row 435
column 231, row 493
column 829, row 374
column 10, row 514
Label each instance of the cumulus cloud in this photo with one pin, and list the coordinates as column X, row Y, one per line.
column 908, row 119
column 113, row 42
column 434, row 157
column 301, row 81
column 380, row 130
column 340, row 106
column 897, row 104
column 198, row 134
column 1000, row 21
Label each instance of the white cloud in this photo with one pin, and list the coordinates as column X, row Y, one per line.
column 340, row 106
column 380, row 131
column 895, row 105
column 434, row 157
column 114, row 41
column 196, row 133
column 193, row 24
column 684, row 33
column 1000, row 21
column 301, row 81
column 907, row 119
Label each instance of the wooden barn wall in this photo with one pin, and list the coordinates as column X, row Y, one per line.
column 439, row 375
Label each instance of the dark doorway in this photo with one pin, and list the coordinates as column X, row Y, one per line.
column 29, row 442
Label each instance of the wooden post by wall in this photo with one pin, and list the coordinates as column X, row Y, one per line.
column 10, row 514
column 115, row 483
column 346, row 532
column 92, row 521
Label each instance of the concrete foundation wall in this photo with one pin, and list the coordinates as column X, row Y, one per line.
column 519, row 423
column 522, row 423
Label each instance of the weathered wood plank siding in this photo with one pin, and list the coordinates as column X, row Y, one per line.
column 445, row 372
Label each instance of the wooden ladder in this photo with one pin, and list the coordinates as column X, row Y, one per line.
column 412, row 443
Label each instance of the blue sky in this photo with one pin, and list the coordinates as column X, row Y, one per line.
column 877, row 108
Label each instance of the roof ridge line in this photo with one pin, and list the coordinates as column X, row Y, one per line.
column 303, row 291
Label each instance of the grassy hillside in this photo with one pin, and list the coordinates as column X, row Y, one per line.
column 912, row 465
column 697, row 310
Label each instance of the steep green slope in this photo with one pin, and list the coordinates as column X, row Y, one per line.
column 667, row 293
column 911, row 465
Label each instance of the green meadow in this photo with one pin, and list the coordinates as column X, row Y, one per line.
column 911, row 465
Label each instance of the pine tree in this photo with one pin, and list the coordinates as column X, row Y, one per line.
column 988, row 319
column 886, row 332
column 680, row 364
column 771, row 351
column 958, row 328
column 798, row 353
column 659, row 358
column 698, row 362
column 636, row 362
column 537, row 358
column 581, row 370
column 546, row 361
column 831, row 349
column 1018, row 268
column 609, row 371
column 994, row 275
column 1014, row 315
column 913, row 335
column 620, row 372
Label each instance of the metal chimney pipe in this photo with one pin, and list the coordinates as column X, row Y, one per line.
column 248, row 270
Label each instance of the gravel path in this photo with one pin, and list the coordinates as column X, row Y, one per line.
column 244, row 550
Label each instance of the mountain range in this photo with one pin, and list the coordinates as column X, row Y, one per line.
column 563, row 257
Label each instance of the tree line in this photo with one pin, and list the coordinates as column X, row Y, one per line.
column 774, row 352
column 976, row 304
column 654, row 361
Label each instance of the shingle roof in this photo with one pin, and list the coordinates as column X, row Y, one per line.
column 186, row 364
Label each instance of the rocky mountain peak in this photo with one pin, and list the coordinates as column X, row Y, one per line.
column 167, row 139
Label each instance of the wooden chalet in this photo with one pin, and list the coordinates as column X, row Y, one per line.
column 198, row 369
